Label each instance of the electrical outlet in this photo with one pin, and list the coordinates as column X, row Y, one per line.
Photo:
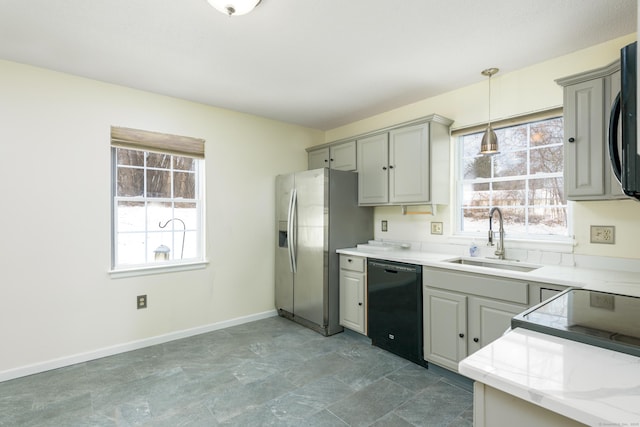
column 384, row 225
column 436, row 228
column 603, row 234
column 601, row 300
column 141, row 301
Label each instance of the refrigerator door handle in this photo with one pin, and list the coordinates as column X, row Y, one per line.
column 290, row 228
column 293, row 236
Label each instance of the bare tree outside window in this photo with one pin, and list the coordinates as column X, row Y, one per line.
column 525, row 180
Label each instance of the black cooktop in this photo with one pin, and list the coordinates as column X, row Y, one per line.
column 602, row 319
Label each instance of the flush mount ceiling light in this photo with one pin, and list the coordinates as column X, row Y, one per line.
column 234, row 7
column 489, row 143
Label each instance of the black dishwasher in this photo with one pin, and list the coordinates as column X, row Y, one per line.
column 395, row 308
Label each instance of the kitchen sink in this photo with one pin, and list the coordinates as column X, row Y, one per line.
column 498, row 264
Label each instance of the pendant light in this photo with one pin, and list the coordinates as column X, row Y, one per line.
column 234, row 7
column 489, row 143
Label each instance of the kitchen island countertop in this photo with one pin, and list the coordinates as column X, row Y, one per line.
column 592, row 385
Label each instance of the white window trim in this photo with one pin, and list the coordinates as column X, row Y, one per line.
column 157, row 269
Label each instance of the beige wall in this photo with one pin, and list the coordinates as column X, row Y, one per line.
column 57, row 301
column 513, row 93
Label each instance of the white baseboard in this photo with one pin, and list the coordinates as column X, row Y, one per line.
column 61, row 362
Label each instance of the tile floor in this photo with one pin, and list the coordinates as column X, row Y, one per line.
column 271, row 372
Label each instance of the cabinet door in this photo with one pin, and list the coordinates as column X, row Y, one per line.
column 445, row 327
column 488, row 320
column 584, row 139
column 343, row 156
column 409, row 164
column 352, row 303
column 373, row 181
column 318, row 158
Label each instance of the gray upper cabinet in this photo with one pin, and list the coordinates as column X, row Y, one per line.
column 318, row 158
column 587, row 102
column 340, row 156
column 373, row 166
column 405, row 165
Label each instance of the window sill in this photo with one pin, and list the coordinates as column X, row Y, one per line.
column 157, row 269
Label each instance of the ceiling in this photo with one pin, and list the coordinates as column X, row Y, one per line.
column 316, row 63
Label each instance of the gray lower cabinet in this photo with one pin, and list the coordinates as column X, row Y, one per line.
column 341, row 156
column 588, row 98
column 353, row 293
column 445, row 327
column 456, row 325
column 464, row 312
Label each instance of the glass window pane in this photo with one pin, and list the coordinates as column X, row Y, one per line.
column 130, row 249
column 158, row 160
column 477, row 167
column 547, row 159
column 512, row 139
column 188, row 213
column 158, row 183
column 510, row 163
column 548, row 220
column 184, row 163
column 547, row 132
column 480, row 197
column 130, row 157
column 130, row 182
column 158, row 214
column 130, row 216
column 549, row 191
column 184, row 185
column 509, row 193
column 475, row 220
column 471, row 144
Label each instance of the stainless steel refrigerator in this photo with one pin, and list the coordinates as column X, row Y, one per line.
column 317, row 212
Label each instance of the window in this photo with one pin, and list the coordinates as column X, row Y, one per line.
column 157, row 199
column 525, row 180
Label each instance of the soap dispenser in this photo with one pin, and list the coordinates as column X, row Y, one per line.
column 473, row 249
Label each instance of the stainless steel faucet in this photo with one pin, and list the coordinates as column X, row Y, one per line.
column 500, row 249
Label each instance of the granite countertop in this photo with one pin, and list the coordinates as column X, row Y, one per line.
column 589, row 384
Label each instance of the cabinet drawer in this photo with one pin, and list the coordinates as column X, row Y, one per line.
column 353, row 263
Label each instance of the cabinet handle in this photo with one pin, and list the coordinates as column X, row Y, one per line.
column 360, row 303
column 572, row 139
column 390, row 166
column 331, row 160
column 384, row 168
column 326, row 161
column 476, row 339
column 349, row 260
column 461, row 335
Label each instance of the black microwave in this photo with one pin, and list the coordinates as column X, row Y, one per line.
column 625, row 154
